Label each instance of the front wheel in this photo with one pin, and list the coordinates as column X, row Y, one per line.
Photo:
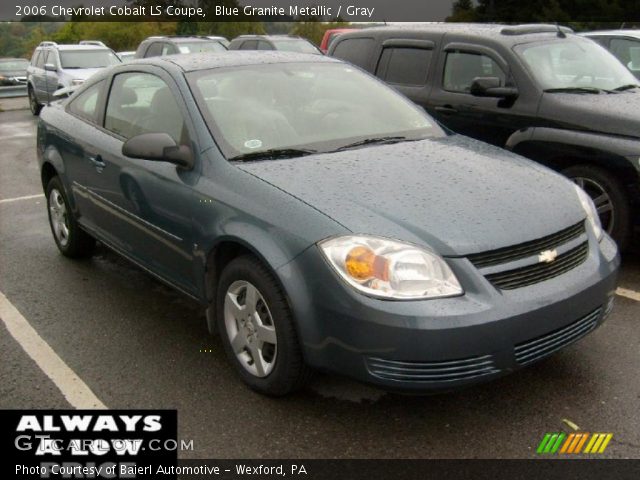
column 610, row 198
column 34, row 105
column 257, row 329
column 71, row 240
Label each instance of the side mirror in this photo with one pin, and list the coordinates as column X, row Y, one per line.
column 158, row 147
column 50, row 67
column 490, row 87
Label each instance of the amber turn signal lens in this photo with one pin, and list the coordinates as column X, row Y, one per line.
column 363, row 264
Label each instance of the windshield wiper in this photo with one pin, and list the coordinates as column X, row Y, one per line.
column 273, row 153
column 371, row 141
column 626, row 87
column 575, row 90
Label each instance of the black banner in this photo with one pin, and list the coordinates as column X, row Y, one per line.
column 88, row 443
column 614, row 11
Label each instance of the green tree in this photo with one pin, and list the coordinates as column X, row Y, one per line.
column 313, row 30
column 462, row 11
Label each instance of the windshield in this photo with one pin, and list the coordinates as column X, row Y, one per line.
column 294, row 45
column 198, row 47
column 574, row 63
column 8, row 65
column 312, row 106
column 88, row 58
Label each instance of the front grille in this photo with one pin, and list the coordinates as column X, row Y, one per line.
column 532, row 274
column 545, row 345
column 523, row 250
column 446, row 371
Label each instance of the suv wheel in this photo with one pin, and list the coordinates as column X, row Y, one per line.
column 610, row 198
column 257, row 330
column 34, row 106
column 71, row 240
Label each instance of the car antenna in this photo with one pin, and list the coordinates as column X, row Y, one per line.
column 561, row 34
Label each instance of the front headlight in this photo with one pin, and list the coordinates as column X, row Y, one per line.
column 590, row 210
column 390, row 269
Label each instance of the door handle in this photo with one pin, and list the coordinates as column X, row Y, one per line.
column 97, row 162
column 446, row 110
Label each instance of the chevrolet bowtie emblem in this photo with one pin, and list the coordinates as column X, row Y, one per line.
column 547, row 256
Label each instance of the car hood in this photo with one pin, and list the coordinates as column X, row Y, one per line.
column 455, row 195
column 614, row 114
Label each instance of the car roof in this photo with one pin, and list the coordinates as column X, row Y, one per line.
column 622, row 33
column 271, row 37
column 178, row 38
column 204, row 61
column 74, row 47
column 508, row 34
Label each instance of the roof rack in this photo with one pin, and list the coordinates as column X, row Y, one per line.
column 48, row 44
column 97, row 43
column 534, row 28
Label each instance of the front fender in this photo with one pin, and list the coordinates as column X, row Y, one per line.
column 556, row 146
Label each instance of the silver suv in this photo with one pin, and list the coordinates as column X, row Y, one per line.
column 56, row 66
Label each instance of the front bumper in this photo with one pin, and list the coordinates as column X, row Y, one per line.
column 442, row 344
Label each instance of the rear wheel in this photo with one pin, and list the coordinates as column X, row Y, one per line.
column 257, row 329
column 34, row 105
column 610, row 198
column 71, row 240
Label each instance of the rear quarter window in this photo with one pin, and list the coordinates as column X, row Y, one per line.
column 355, row 50
column 404, row 65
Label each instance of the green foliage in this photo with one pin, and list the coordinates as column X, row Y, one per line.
column 18, row 39
column 314, row 30
column 117, row 35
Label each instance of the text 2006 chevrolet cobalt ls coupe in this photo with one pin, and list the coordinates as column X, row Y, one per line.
column 325, row 221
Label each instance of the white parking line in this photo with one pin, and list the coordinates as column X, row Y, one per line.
column 77, row 393
column 17, row 199
column 625, row 292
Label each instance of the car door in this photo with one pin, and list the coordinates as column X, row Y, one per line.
column 37, row 75
column 77, row 148
column 491, row 120
column 143, row 207
column 51, row 83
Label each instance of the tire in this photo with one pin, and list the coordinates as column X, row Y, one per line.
column 34, row 105
column 281, row 369
column 72, row 241
column 615, row 211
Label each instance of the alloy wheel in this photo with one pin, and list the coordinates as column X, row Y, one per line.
column 250, row 328
column 59, row 217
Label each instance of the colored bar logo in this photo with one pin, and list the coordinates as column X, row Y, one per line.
column 574, row 443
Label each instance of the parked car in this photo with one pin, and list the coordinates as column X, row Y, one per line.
column 285, row 43
column 127, row 56
column 160, row 46
column 330, row 35
column 624, row 44
column 325, row 221
column 13, row 71
column 54, row 67
column 538, row 90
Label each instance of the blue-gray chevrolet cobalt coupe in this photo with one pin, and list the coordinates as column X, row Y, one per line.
column 324, row 221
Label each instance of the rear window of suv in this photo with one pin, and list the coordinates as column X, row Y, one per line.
column 87, row 58
column 355, row 50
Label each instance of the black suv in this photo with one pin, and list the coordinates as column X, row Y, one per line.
column 538, row 90
column 161, row 46
column 286, row 43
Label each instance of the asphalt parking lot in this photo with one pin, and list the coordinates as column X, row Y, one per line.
column 138, row 344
